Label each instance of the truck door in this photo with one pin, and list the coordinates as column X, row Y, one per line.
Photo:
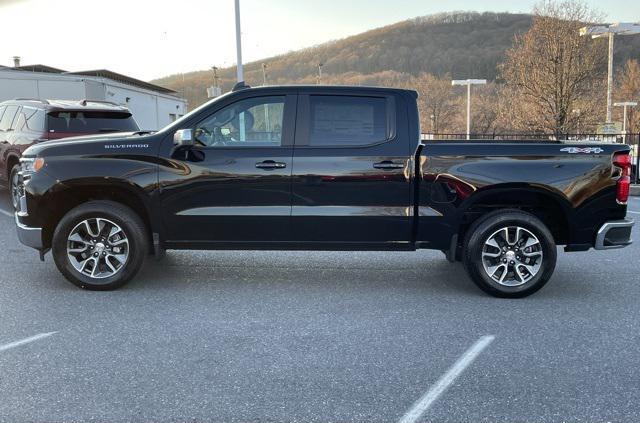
column 352, row 171
column 234, row 184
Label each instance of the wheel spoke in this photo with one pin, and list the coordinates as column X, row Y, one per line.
column 521, row 276
column 83, row 264
column 492, row 255
column 108, row 262
column 96, row 264
column 494, row 269
column 531, row 242
column 492, row 242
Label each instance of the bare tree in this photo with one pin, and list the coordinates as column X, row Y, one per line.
column 629, row 90
column 551, row 69
column 436, row 102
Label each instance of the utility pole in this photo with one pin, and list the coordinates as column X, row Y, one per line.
column 239, row 43
column 610, row 77
column 319, row 73
column 215, row 90
column 600, row 31
column 468, row 83
column 264, row 74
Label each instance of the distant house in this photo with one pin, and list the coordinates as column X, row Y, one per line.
column 152, row 106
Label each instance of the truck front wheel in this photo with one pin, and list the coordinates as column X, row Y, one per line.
column 509, row 254
column 100, row 245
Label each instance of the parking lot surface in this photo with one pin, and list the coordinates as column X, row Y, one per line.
column 252, row 336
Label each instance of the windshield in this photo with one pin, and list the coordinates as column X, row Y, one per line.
column 84, row 122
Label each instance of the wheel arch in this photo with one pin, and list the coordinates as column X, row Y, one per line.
column 551, row 207
column 11, row 160
column 71, row 194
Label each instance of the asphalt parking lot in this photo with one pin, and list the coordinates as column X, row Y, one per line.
column 318, row 337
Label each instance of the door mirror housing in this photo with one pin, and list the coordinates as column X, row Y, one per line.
column 183, row 137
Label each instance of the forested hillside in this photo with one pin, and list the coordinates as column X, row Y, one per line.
column 460, row 45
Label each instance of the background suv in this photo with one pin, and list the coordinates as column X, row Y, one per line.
column 24, row 122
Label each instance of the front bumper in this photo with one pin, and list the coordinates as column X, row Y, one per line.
column 31, row 237
column 614, row 234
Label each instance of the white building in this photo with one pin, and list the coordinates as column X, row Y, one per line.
column 153, row 107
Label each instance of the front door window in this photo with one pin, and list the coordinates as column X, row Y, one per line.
column 254, row 122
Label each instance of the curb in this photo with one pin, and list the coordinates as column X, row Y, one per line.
column 635, row 191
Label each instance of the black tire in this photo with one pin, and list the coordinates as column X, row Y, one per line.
column 131, row 225
column 14, row 186
column 480, row 233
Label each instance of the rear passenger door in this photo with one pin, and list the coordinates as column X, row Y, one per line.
column 352, row 170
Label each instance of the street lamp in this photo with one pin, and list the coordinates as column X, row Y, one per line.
column 600, row 31
column 238, row 43
column 624, row 105
column 468, row 83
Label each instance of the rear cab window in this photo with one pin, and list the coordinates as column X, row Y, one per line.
column 348, row 121
column 90, row 122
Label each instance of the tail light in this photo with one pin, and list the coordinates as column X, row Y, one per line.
column 623, row 161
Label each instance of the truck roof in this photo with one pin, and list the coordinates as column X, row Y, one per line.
column 324, row 88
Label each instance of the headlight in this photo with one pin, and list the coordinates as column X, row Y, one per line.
column 31, row 164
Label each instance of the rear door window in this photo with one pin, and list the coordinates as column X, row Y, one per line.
column 35, row 120
column 347, row 120
column 29, row 119
column 86, row 122
column 19, row 121
column 7, row 117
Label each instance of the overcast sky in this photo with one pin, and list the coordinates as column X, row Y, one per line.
column 153, row 38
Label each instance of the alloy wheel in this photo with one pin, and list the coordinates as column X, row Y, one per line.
column 512, row 256
column 98, row 248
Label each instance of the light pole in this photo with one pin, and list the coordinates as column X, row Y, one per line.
column 468, row 83
column 600, row 31
column 266, row 105
column 624, row 105
column 239, row 43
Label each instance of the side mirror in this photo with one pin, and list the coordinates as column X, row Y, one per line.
column 183, row 137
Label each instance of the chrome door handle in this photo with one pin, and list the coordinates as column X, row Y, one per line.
column 387, row 164
column 270, row 164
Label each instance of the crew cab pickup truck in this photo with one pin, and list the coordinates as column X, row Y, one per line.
column 319, row 168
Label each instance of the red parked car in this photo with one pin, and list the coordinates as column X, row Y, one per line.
column 24, row 122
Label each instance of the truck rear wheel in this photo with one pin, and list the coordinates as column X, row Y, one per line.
column 100, row 245
column 509, row 254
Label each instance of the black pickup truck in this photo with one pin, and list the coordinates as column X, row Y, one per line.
column 319, row 168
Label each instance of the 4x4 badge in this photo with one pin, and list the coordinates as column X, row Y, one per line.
column 574, row 150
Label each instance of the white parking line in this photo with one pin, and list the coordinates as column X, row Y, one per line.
column 25, row 341
column 423, row 404
column 6, row 213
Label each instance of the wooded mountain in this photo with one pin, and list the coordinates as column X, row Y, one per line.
column 461, row 44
